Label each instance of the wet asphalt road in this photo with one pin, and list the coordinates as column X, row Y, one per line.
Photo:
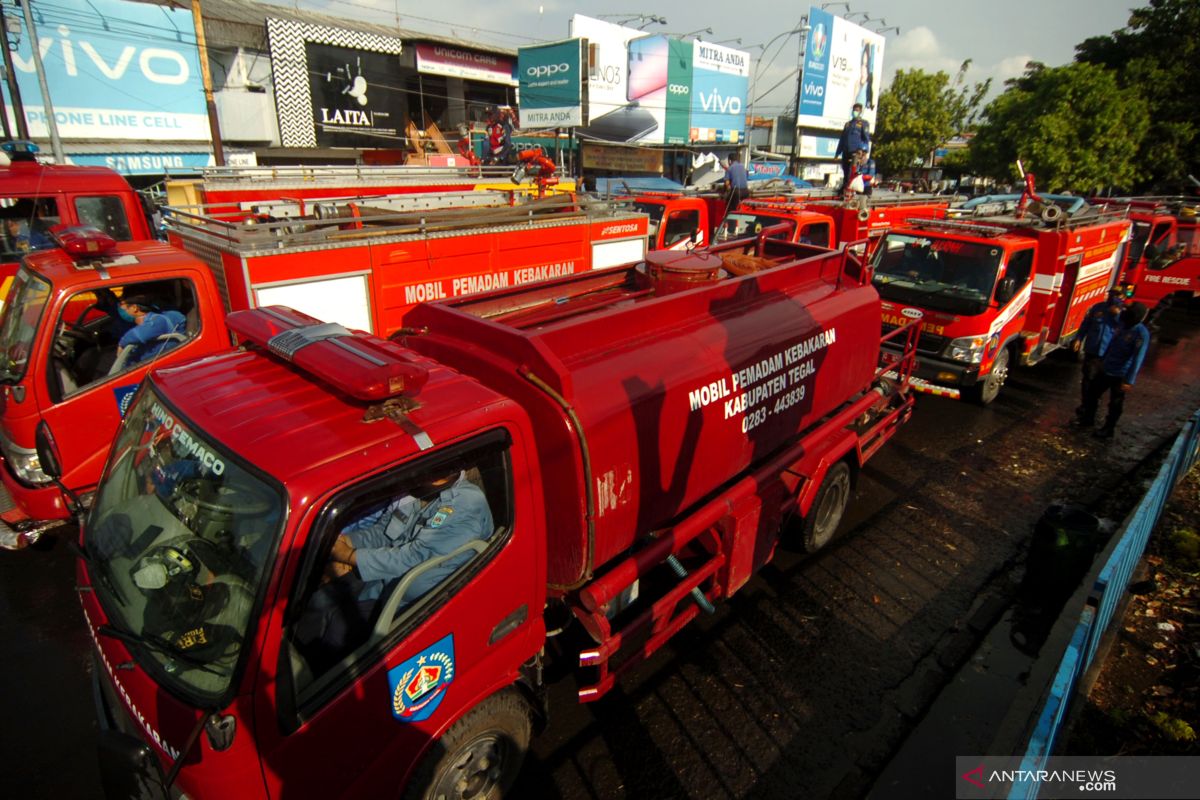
column 805, row 683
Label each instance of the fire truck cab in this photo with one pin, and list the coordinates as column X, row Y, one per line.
column 61, row 367
column 996, row 290
column 1163, row 259
column 35, row 197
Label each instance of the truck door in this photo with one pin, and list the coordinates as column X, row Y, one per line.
column 84, row 390
column 443, row 606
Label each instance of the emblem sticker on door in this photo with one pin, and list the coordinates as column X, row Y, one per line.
column 124, row 396
column 419, row 684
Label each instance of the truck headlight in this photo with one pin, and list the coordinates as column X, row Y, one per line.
column 968, row 349
column 24, row 463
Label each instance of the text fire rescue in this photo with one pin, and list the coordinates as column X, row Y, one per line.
column 761, row 381
column 470, row 284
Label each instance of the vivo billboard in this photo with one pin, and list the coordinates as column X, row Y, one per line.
column 550, row 78
column 843, row 65
column 116, row 70
column 720, row 78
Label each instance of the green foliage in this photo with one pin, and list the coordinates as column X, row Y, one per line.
column 919, row 112
column 1158, row 55
column 1174, row 729
column 1073, row 126
column 1185, row 546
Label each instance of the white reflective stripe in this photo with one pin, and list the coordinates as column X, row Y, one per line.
column 1043, row 283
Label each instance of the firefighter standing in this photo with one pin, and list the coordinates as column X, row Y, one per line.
column 1095, row 332
column 1120, row 365
column 856, row 137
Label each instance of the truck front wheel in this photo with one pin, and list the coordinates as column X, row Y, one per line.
column 480, row 756
column 828, row 507
column 986, row 390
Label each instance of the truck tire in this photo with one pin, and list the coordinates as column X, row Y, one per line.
column 987, row 389
column 828, row 508
column 480, row 756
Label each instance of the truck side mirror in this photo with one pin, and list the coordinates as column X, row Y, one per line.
column 1008, row 288
column 47, row 451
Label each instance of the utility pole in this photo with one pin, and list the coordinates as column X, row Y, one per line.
column 10, row 76
column 51, row 122
column 804, row 29
column 214, row 125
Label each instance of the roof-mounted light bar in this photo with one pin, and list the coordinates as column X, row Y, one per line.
column 80, row 241
column 359, row 364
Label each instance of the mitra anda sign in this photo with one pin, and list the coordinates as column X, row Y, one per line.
column 116, row 70
column 551, row 84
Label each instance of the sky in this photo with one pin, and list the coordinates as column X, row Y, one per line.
column 999, row 36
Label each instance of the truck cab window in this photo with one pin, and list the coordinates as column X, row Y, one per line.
column 816, row 233
column 384, row 555
column 1020, row 265
column 681, row 227
column 106, row 213
column 110, row 331
column 26, row 224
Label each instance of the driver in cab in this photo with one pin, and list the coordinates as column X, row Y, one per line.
column 451, row 512
column 446, row 511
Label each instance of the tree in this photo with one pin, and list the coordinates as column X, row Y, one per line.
column 919, row 112
column 1073, row 126
column 1156, row 55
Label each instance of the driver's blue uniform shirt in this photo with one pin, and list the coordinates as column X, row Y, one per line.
column 154, row 325
column 410, row 535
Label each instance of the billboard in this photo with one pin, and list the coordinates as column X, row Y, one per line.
column 720, row 79
column 355, row 100
column 114, row 72
column 336, row 87
column 843, row 65
column 454, row 62
column 551, row 82
column 652, row 89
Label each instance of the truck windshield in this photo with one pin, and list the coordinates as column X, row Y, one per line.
column 19, row 323
column 938, row 274
column 178, row 545
column 737, row 226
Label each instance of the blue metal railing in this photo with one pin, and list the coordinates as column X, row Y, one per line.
column 1105, row 598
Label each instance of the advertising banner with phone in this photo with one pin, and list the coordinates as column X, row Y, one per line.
column 843, row 65
column 551, row 84
column 720, row 79
column 626, row 83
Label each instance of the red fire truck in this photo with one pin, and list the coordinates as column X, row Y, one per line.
column 617, row 448
column 1163, row 260
column 35, row 197
column 362, row 265
column 996, row 290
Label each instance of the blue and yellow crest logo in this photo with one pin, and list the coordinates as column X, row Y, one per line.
column 419, row 684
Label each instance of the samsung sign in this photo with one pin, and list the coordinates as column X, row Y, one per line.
column 116, row 70
column 551, row 85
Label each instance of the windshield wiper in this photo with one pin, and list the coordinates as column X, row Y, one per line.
column 82, row 553
column 163, row 647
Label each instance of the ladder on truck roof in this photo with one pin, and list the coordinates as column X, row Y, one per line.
column 1175, row 205
column 356, row 175
column 340, row 222
column 993, row 225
